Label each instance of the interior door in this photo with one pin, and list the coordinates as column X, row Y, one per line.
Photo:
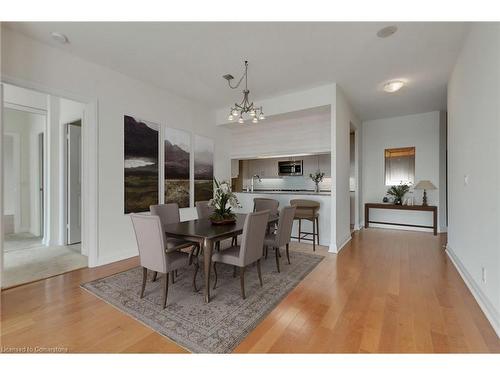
column 41, row 177
column 74, row 191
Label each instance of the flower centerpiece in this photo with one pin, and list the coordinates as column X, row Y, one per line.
column 224, row 199
column 398, row 192
column 317, row 177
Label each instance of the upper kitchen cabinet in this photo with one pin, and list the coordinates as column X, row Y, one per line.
column 235, row 168
column 325, row 164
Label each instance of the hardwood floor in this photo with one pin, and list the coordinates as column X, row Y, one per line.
column 387, row 291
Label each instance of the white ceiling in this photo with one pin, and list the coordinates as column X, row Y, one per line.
column 190, row 58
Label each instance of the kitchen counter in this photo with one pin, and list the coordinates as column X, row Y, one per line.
column 300, row 192
column 283, row 197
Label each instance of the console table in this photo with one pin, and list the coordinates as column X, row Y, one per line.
column 389, row 206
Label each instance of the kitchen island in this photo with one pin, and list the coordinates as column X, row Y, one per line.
column 283, row 197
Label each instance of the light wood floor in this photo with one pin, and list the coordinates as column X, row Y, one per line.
column 387, row 291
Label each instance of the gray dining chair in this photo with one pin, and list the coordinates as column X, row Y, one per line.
column 203, row 209
column 283, row 234
column 262, row 204
column 151, row 244
column 169, row 214
column 250, row 250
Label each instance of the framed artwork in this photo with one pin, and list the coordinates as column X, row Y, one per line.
column 203, row 168
column 141, row 169
column 177, row 169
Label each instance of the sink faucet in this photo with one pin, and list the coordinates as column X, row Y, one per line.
column 253, row 177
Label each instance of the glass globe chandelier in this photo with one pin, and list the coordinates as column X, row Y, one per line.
column 245, row 107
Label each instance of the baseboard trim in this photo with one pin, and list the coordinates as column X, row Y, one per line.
column 103, row 260
column 488, row 309
column 336, row 249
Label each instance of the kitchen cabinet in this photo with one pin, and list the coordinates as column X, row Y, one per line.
column 235, row 168
column 265, row 168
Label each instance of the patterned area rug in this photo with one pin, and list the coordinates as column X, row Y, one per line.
column 216, row 327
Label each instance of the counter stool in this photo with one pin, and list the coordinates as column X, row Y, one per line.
column 307, row 210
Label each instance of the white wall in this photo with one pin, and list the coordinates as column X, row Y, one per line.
column 10, row 178
column 473, row 151
column 421, row 131
column 342, row 118
column 68, row 76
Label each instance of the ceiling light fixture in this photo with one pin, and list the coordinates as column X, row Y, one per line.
column 59, row 38
column 245, row 106
column 393, row 86
column 387, row 31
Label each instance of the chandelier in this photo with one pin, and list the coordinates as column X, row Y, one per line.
column 245, row 107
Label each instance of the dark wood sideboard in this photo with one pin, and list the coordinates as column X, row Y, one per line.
column 390, row 206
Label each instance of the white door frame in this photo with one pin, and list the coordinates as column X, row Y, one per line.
column 90, row 159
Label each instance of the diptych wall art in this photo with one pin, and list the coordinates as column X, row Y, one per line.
column 177, row 154
column 141, row 164
column 203, row 168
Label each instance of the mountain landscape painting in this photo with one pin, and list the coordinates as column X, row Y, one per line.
column 141, row 164
column 177, row 155
column 203, row 168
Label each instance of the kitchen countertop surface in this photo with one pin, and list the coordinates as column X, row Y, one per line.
column 297, row 192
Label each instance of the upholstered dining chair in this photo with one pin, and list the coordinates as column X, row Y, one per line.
column 203, row 209
column 262, row 204
column 250, row 250
column 169, row 214
column 283, row 234
column 151, row 244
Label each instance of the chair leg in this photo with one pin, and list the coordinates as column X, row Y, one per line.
column 242, row 282
column 155, row 275
column 215, row 272
column 300, row 229
column 266, row 248
column 234, row 272
column 259, row 272
column 314, row 235
column 288, row 253
column 317, row 229
column 165, row 288
column 144, row 278
column 172, row 277
column 276, row 251
column 196, row 267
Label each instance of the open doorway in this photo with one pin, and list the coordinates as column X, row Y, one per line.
column 352, row 179
column 42, row 178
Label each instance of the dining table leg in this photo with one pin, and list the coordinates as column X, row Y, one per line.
column 208, row 246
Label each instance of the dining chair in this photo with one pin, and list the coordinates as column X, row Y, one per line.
column 283, row 234
column 262, row 204
column 203, row 209
column 250, row 250
column 151, row 240
column 169, row 214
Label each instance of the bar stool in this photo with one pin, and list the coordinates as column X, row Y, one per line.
column 307, row 210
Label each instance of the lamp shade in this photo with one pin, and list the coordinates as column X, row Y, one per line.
column 425, row 185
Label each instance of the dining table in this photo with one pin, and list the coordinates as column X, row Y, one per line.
column 206, row 234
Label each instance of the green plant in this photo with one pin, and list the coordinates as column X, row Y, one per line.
column 224, row 199
column 398, row 192
column 317, row 176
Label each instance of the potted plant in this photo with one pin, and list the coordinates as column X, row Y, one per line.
column 317, row 177
column 224, row 199
column 398, row 192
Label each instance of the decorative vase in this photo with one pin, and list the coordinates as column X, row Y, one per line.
column 398, row 201
column 316, row 189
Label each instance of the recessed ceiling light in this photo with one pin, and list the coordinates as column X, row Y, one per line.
column 393, row 86
column 59, row 38
column 387, row 31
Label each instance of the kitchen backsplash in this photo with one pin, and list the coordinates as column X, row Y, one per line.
column 288, row 182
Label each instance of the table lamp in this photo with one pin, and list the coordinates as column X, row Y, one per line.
column 425, row 185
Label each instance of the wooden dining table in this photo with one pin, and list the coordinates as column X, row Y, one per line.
column 206, row 234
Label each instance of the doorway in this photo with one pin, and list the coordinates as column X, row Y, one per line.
column 36, row 244
column 352, row 179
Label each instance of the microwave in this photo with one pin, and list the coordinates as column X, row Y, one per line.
column 290, row 168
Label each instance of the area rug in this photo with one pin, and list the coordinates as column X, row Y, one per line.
column 215, row 327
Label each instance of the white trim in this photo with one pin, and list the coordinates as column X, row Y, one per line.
column 400, row 227
column 488, row 309
column 16, row 158
column 111, row 258
column 25, row 108
column 336, row 249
